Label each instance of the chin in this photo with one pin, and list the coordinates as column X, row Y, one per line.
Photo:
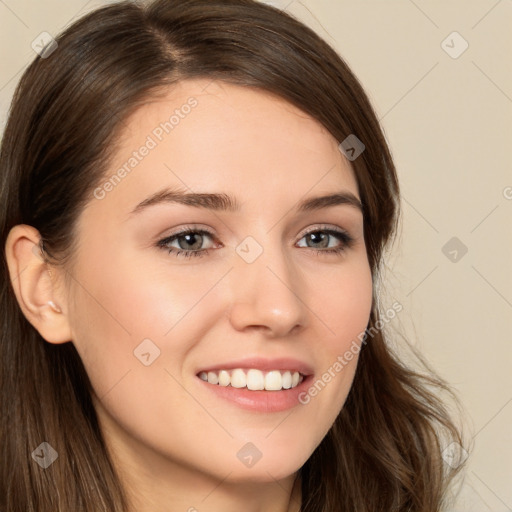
column 263, row 472
column 265, row 465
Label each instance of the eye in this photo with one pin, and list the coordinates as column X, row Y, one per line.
column 189, row 242
column 323, row 238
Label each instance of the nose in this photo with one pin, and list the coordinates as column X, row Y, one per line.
column 267, row 294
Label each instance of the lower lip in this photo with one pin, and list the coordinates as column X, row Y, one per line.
column 261, row 401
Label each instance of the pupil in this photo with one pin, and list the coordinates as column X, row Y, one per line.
column 190, row 240
column 319, row 238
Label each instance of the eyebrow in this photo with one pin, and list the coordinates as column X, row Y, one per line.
column 224, row 202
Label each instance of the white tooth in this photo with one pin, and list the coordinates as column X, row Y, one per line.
column 203, row 376
column 255, row 380
column 213, row 378
column 273, row 381
column 238, row 379
column 295, row 379
column 287, row 380
column 224, row 378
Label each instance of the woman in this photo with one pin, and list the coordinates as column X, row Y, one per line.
column 196, row 198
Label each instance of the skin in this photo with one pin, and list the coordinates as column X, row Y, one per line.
column 175, row 444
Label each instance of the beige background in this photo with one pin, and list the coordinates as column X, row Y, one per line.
column 449, row 124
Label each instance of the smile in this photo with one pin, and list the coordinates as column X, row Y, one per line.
column 254, row 379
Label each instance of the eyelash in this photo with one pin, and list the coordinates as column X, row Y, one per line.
column 345, row 239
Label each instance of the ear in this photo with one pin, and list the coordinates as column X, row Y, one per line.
column 33, row 285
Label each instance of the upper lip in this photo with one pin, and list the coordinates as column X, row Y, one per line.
column 264, row 364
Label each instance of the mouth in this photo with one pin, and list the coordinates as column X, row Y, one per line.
column 258, row 384
column 253, row 379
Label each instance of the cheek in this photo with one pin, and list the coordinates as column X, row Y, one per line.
column 158, row 298
column 123, row 303
column 344, row 309
column 343, row 305
column 122, row 312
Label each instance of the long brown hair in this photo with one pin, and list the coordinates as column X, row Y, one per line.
column 383, row 452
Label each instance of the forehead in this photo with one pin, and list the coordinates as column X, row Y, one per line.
column 211, row 136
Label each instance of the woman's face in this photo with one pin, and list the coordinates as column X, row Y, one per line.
column 256, row 286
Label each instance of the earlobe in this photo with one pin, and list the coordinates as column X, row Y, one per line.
column 33, row 285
